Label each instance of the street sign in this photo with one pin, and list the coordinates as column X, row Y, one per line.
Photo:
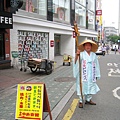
column 98, row 12
column 31, row 101
column 52, row 43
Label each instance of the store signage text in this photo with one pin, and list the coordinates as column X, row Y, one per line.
column 6, row 20
column 98, row 12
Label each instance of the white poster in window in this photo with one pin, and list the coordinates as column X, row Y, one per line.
column 61, row 14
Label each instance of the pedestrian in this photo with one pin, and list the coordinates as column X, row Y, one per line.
column 119, row 49
column 90, row 71
column 115, row 49
column 103, row 50
column 107, row 49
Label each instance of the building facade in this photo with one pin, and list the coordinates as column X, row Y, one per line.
column 7, row 9
column 99, row 23
column 5, row 25
column 110, row 31
column 43, row 28
column 119, row 19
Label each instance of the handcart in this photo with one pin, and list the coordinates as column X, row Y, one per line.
column 42, row 64
column 67, row 59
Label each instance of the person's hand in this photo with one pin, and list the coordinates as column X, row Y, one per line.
column 78, row 52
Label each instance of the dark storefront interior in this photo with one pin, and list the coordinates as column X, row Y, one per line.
column 5, row 24
column 7, row 9
column 2, row 47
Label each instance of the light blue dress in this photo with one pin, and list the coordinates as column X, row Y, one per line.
column 89, row 86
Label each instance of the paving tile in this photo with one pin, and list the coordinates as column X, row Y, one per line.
column 55, row 90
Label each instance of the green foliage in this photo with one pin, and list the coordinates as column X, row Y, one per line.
column 113, row 38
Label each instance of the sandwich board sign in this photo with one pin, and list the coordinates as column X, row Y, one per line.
column 31, row 101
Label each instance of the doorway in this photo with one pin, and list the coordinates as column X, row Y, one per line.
column 2, row 47
column 57, row 44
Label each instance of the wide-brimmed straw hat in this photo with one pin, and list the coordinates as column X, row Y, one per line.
column 94, row 45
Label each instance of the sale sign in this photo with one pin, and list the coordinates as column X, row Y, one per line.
column 29, row 103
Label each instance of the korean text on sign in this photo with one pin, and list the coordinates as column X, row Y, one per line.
column 29, row 104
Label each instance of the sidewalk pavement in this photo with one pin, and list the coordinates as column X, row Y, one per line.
column 10, row 77
column 61, row 89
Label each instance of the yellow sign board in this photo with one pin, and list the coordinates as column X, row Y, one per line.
column 29, row 103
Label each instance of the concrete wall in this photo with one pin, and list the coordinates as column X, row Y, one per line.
column 81, row 39
column 51, row 49
column 67, row 45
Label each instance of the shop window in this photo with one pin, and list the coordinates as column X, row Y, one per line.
column 61, row 9
column 1, row 5
column 80, row 15
column 30, row 6
column 42, row 7
column 35, row 6
column 91, row 20
column 82, row 2
column 32, row 45
column 2, row 47
column 91, row 5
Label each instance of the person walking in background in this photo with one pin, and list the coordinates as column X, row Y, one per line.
column 90, row 71
column 115, row 49
column 103, row 50
column 107, row 49
column 119, row 49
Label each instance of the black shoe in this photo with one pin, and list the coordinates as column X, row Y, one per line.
column 80, row 105
column 90, row 102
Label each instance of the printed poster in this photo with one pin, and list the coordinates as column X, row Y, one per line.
column 29, row 103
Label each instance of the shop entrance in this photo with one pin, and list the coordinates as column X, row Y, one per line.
column 2, row 47
column 57, row 44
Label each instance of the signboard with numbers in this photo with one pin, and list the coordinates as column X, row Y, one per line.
column 30, row 102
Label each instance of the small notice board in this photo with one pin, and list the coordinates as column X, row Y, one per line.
column 31, row 102
column 15, row 54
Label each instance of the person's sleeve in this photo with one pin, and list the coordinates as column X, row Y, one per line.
column 97, row 68
column 75, row 68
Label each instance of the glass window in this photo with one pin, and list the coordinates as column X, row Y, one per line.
column 2, row 47
column 61, row 9
column 82, row 2
column 91, row 5
column 35, row 6
column 30, row 6
column 80, row 14
column 33, row 44
column 42, row 7
column 1, row 5
column 91, row 20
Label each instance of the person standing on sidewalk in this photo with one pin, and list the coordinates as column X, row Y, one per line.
column 107, row 49
column 119, row 49
column 90, row 71
column 115, row 49
column 103, row 50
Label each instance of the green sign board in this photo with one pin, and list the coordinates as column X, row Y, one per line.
column 14, row 54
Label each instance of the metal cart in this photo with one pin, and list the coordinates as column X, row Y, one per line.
column 41, row 64
column 67, row 59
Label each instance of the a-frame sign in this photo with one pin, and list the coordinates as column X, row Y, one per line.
column 32, row 101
